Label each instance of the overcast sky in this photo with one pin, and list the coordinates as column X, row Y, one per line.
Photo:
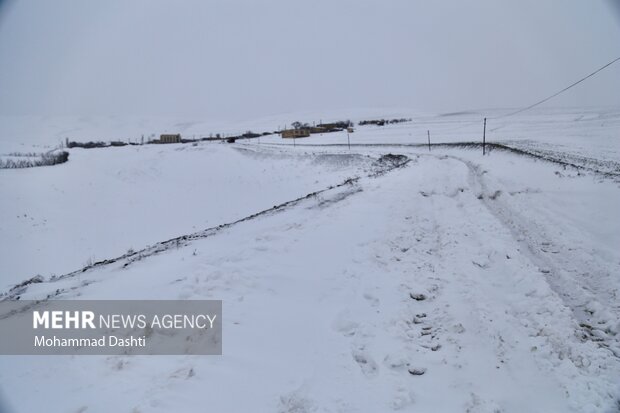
column 249, row 58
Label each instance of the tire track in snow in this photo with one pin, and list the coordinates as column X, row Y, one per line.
column 577, row 293
column 525, row 306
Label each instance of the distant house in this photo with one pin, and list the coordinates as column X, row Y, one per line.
column 170, row 138
column 317, row 129
column 296, row 133
column 334, row 126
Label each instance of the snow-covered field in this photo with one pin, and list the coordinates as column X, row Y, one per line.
column 104, row 202
column 454, row 282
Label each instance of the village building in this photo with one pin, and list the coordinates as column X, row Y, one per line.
column 170, row 138
column 296, row 133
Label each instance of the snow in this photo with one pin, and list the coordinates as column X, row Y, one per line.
column 105, row 202
column 456, row 282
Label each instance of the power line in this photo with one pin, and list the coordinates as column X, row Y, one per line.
column 467, row 123
column 561, row 91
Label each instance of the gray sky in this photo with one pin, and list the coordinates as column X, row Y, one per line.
column 248, row 58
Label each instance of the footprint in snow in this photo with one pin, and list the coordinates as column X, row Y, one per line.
column 343, row 324
column 403, row 398
column 458, row 328
column 395, row 362
column 367, row 364
column 417, row 296
column 295, row 403
column 374, row 301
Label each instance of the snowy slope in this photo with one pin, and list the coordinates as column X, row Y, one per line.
column 104, row 202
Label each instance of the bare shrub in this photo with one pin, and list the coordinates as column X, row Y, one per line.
column 33, row 160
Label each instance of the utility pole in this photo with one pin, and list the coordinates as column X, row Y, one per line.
column 484, row 132
column 348, row 140
column 428, row 132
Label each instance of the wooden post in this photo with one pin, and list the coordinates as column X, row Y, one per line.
column 428, row 132
column 484, row 133
column 348, row 140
